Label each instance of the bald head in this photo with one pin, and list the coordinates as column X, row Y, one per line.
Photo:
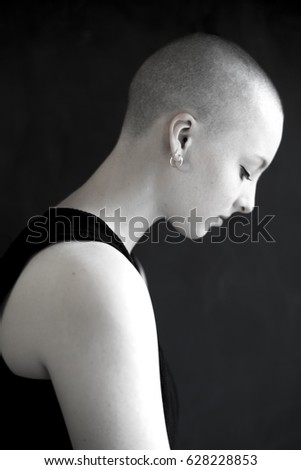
column 208, row 76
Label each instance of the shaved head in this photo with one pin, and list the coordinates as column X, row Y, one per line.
column 210, row 77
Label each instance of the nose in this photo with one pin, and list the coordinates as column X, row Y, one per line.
column 246, row 201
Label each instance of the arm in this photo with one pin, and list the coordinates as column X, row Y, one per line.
column 101, row 353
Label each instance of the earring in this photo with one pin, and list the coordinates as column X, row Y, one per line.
column 176, row 159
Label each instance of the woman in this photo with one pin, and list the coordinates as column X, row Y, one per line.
column 203, row 121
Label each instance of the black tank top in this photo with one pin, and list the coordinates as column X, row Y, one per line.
column 30, row 414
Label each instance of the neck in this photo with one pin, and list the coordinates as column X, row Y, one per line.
column 123, row 192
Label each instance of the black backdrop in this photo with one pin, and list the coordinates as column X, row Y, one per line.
column 228, row 315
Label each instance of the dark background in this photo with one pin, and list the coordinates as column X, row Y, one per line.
column 228, row 315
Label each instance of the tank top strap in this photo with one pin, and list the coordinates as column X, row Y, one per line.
column 56, row 224
column 67, row 223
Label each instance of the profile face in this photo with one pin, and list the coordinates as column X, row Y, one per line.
column 224, row 168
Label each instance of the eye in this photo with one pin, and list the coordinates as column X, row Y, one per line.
column 244, row 173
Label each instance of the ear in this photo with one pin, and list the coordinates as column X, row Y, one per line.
column 180, row 132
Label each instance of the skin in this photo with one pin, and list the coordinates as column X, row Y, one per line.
column 46, row 335
column 138, row 179
column 217, row 166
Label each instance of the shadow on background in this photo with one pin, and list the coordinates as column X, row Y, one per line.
column 228, row 315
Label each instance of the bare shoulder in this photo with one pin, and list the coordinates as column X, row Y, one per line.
column 94, row 283
column 92, row 274
column 52, row 284
column 96, row 336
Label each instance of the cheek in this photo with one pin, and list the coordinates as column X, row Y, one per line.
column 221, row 193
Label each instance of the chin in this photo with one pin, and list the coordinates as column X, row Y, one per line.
column 198, row 236
column 197, row 233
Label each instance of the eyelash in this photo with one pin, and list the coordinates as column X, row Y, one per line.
column 244, row 173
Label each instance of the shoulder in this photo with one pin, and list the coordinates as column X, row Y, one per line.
column 77, row 284
column 88, row 281
column 100, row 349
column 94, row 329
column 96, row 289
